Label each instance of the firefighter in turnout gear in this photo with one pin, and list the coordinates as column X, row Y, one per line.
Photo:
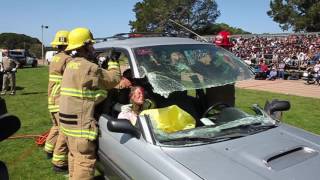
column 56, row 146
column 83, row 86
column 9, row 68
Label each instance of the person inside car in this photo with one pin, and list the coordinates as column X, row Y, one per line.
column 117, row 96
column 137, row 104
column 178, row 60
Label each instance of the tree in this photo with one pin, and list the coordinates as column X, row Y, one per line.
column 153, row 15
column 20, row 41
column 35, row 49
column 300, row 15
column 214, row 29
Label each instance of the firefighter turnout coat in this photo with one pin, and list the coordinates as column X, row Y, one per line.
column 56, row 69
column 83, row 86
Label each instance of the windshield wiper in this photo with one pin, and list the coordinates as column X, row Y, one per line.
column 260, row 128
column 206, row 139
column 252, row 128
column 228, row 137
column 203, row 139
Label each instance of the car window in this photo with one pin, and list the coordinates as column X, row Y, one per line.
column 172, row 68
column 120, row 55
column 124, row 61
column 16, row 53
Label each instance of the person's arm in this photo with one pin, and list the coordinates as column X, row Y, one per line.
column 108, row 78
column 17, row 63
column 101, row 80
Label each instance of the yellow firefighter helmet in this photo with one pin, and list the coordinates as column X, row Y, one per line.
column 61, row 38
column 78, row 37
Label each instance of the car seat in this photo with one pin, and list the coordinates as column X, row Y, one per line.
column 183, row 101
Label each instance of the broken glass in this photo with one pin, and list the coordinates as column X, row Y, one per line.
column 171, row 68
column 231, row 120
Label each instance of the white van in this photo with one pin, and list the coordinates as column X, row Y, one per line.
column 49, row 55
column 23, row 57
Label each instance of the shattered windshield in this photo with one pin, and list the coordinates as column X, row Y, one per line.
column 229, row 123
column 171, row 68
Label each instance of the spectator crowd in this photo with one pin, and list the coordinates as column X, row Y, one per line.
column 272, row 55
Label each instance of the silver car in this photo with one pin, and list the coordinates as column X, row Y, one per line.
column 226, row 142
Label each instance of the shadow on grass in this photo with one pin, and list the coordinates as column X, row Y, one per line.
column 19, row 88
column 99, row 177
column 28, row 93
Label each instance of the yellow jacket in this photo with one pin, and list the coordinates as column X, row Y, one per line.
column 83, row 86
column 56, row 69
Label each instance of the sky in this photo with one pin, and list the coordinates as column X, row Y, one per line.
column 107, row 17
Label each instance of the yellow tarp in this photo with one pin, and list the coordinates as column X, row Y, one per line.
column 171, row 119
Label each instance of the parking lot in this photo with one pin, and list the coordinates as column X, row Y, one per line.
column 289, row 87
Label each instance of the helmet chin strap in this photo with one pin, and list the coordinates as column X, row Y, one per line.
column 61, row 47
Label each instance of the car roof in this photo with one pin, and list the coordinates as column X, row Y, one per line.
column 146, row 41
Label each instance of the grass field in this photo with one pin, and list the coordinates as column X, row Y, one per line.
column 26, row 160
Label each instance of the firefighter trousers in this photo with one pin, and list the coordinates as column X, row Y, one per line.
column 56, row 143
column 81, row 158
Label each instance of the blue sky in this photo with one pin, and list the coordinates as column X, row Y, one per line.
column 108, row 17
column 249, row 15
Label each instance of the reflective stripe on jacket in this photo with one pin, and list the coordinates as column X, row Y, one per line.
column 56, row 69
column 85, row 94
column 83, row 86
column 55, row 78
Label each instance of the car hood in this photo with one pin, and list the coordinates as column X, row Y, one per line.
column 280, row 153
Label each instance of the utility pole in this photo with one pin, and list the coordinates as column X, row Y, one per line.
column 42, row 53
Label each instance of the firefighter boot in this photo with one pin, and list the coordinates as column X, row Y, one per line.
column 62, row 169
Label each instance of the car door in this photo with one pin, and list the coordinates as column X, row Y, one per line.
column 127, row 156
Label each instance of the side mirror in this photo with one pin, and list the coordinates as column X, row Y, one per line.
column 123, row 126
column 275, row 107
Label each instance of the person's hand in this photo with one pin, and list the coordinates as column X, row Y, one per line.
column 124, row 83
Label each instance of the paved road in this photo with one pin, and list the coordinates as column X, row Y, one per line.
column 292, row 87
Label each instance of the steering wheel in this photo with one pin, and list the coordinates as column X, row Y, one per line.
column 217, row 107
